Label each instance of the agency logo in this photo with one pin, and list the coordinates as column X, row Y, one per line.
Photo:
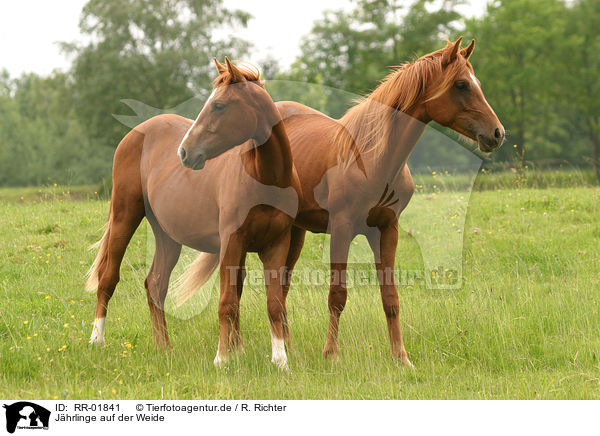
column 26, row 415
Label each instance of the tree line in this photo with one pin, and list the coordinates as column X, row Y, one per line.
column 537, row 61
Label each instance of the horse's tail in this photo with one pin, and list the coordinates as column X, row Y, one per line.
column 194, row 277
column 92, row 275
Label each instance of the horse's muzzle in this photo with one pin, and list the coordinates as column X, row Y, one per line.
column 189, row 161
column 490, row 143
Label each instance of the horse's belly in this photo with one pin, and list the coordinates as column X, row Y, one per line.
column 190, row 217
column 194, row 226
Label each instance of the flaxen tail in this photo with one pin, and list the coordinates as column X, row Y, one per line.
column 92, row 275
column 194, row 277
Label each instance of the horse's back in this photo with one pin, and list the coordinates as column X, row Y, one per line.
column 304, row 124
column 288, row 109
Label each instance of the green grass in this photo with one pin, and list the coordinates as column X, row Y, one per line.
column 524, row 324
column 492, row 180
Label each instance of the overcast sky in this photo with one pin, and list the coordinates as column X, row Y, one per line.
column 29, row 29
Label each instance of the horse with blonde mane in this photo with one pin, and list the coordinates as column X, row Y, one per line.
column 223, row 184
column 354, row 174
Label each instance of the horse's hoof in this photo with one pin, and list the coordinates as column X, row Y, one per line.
column 237, row 348
column 96, row 341
column 331, row 354
column 281, row 364
column 220, row 362
column 403, row 359
column 164, row 346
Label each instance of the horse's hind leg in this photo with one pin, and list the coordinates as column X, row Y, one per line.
column 125, row 216
column 157, row 282
column 126, row 213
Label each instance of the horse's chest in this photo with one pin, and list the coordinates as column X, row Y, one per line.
column 373, row 203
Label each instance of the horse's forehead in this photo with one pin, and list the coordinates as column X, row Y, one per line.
column 248, row 92
column 231, row 91
column 474, row 79
column 212, row 95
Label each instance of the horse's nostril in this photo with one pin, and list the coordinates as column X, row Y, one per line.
column 497, row 133
column 182, row 154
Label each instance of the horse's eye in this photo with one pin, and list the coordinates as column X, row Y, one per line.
column 461, row 84
column 218, row 106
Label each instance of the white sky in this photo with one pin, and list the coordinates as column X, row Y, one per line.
column 29, row 29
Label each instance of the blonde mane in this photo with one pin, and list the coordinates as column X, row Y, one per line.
column 367, row 125
column 249, row 71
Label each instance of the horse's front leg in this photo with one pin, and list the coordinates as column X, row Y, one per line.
column 235, row 336
column 383, row 242
column 273, row 258
column 296, row 243
column 232, row 262
column 341, row 237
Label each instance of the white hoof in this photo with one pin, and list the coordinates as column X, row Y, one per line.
column 278, row 352
column 96, row 341
column 219, row 361
column 97, row 336
column 280, row 363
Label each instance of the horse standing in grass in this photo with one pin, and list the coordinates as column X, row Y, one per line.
column 354, row 174
column 243, row 200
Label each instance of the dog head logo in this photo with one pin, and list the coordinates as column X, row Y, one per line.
column 24, row 414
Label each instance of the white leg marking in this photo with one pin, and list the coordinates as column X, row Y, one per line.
column 220, row 360
column 98, row 331
column 278, row 356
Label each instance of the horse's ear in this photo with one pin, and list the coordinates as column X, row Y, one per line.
column 220, row 67
column 450, row 53
column 236, row 74
column 466, row 52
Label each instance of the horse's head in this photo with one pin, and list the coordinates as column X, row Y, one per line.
column 238, row 110
column 456, row 100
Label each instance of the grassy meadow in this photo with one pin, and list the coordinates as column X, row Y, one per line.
column 524, row 325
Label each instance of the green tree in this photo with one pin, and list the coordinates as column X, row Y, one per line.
column 10, row 123
column 41, row 140
column 581, row 82
column 156, row 51
column 518, row 60
column 353, row 50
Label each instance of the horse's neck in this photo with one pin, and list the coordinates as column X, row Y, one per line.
column 271, row 162
column 403, row 134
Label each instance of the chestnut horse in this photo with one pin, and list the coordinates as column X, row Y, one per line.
column 243, row 200
column 354, row 174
